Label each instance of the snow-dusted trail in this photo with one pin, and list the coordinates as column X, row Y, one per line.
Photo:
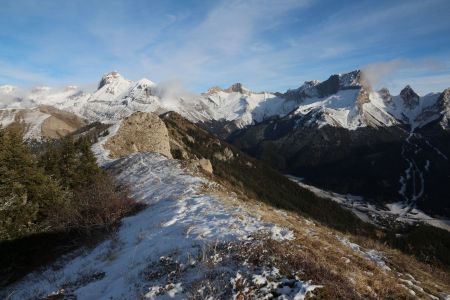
column 180, row 221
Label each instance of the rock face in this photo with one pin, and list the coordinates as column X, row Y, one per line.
column 444, row 106
column 140, row 132
column 226, row 155
column 60, row 123
column 237, row 88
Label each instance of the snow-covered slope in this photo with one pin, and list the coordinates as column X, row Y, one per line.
column 346, row 101
column 182, row 220
column 243, row 106
column 408, row 107
column 193, row 242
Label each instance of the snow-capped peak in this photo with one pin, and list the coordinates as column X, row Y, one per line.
column 109, row 78
column 343, row 100
column 234, row 88
column 7, row 89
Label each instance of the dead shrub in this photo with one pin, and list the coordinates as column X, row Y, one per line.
column 99, row 206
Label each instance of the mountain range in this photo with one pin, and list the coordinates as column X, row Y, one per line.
column 343, row 100
column 339, row 134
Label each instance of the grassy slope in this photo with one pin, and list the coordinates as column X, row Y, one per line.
column 244, row 174
column 258, row 180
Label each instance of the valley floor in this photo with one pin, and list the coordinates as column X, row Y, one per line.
column 389, row 215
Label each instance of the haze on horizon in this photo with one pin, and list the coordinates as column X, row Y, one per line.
column 266, row 45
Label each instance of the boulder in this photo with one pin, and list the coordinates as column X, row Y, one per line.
column 140, row 132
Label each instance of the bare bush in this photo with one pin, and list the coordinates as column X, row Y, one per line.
column 101, row 205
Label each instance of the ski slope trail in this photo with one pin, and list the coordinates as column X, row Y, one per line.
column 412, row 183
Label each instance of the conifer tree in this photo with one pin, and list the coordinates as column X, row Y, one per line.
column 27, row 195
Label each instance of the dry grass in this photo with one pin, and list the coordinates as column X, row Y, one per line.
column 317, row 253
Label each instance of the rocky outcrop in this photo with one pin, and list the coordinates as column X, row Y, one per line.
column 226, row 155
column 140, row 132
column 202, row 164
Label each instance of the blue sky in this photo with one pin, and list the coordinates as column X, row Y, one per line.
column 266, row 45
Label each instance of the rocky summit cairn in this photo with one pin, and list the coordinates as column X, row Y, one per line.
column 140, row 132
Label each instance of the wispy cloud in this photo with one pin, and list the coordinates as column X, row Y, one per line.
column 14, row 73
column 270, row 45
column 229, row 31
column 425, row 75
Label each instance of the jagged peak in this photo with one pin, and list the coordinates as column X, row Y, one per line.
column 407, row 87
column 237, row 88
column 308, row 84
column 350, row 79
column 234, row 88
column 408, row 92
column 108, row 78
column 410, row 98
column 307, row 89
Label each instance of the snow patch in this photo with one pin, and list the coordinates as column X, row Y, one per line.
column 371, row 254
